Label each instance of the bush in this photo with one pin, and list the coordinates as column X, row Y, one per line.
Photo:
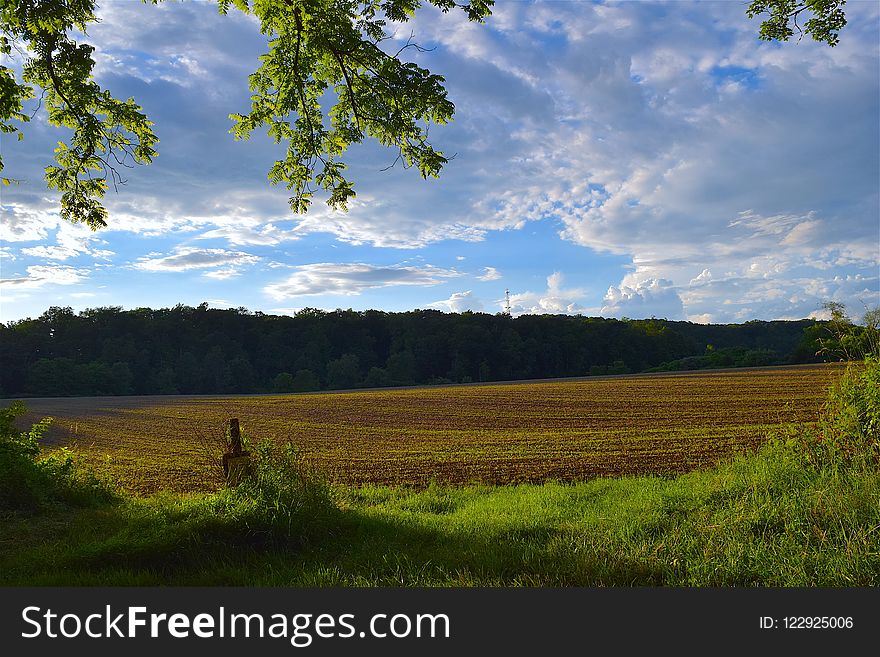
column 851, row 419
column 847, row 433
column 29, row 483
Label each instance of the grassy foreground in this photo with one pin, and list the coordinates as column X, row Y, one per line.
column 804, row 511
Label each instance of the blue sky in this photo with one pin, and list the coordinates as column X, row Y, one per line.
column 625, row 159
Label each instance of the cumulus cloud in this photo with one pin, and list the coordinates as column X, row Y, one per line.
column 50, row 252
column 72, row 241
column 650, row 298
column 22, row 223
column 186, row 258
column 704, row 277
column 674, row 145
column 459, row 302
column 554, row 300
column 349, row 279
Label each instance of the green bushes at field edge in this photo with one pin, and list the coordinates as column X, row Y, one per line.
column 30, row 483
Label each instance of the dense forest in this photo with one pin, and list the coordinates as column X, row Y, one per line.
column 201, row 350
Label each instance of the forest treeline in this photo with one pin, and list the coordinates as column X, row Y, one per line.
column 188, row 349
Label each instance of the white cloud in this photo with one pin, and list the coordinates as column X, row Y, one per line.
column 23, row 223
column 186, row 258
column 388, row 223
column 704, row 278
column 50, row 252
column 554, row 300
column 41, row 275
column 651, row 298
column 69, row 245
column 223, row 274
column 350, row 279
column 267, row 235
column 655, row 159
column 489, row 274
column 459, row 302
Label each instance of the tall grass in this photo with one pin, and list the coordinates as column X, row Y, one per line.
column 283, row 499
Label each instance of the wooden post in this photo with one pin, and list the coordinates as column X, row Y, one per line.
column 236, row 462
column 235, row 436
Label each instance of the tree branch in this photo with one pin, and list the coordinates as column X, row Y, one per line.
column 348, row 85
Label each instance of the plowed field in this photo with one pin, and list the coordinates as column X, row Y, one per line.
column 530, row 432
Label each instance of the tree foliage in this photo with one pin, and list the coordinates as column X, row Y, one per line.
column 320, row 52
column 318, row 46
column 827, row 19
column 108, row 133
column 841, row 339
column 201, row 350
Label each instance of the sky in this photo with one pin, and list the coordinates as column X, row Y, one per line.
column 634, row 159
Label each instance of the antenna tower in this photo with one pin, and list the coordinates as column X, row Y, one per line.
column 506, row 302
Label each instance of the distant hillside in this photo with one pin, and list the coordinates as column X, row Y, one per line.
column 201, row 350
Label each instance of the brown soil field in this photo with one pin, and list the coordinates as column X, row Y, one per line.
column 565, row 430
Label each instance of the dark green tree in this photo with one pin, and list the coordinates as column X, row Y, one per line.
column 283, row 382
column 242, row 376
column 164, row 382
column 401, row 368
column 344, row 372
column 121, row 379
column 305, row 381
column 377, row 377
column 216, row 375
column 146, row 351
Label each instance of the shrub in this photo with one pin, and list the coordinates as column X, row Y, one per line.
column 850, row 421
column 29, row 482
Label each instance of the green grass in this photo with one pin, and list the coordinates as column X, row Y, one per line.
column 768, row 520
column 803, row 511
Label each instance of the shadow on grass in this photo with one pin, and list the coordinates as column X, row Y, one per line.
column 766, row 521
column 140, row 544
